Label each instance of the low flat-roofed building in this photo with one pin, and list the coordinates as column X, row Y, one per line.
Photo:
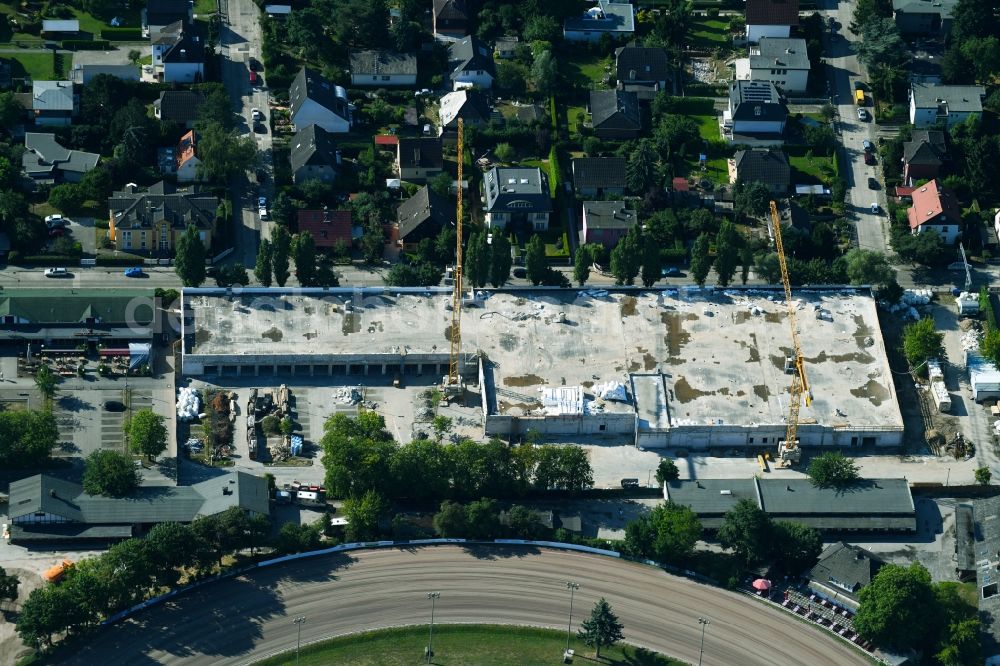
column 869, row 505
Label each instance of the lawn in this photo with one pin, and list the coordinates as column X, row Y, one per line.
column 710, row 33
column 203, row 7
column 571, row 114
column 584, row 71
column 462, row 644
column 91, row 24
column 812, row 170
column 38, row 65
column 716, row 170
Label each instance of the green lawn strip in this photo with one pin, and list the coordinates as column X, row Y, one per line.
column 497, row 645
column 37, row 65
column 716, row 170
column 571, row 113
column 202, row 7
column 585, row 71
column 710, row 32
column 812, row 170
column 708, row 127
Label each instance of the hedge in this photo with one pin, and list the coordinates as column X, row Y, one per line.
column 85, row 45
column 105, row 260
column 122, row 34
column 50, row 260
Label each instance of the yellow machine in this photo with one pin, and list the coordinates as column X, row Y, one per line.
column 453, row 384
column 788, row 450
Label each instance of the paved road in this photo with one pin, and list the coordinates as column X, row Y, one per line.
column 242, row 620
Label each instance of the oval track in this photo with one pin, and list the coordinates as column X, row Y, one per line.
column 243, row 619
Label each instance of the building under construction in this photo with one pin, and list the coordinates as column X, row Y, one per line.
column 689, row 368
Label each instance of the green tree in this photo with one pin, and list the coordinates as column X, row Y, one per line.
column 563, row 467
column 232, row 274
column 500, row 260
column 880, row 44
column 651, row 269
column 869, row 267
column 746, row 529
column 752, row 200
column 422, row 469
column 476, row 262
column 961, row 643
column 667, row 470
column 451, row 521
column 303, row 249
column 484, row 519
column 363, row 515
column 441, row 184
column 921, row 342
column 701, row 262
column 667, row 534
column 67, row 198
column 172, row 546
column 581, row 265
column 795, row 546
column 627, row 255
column 281, row 243
column 296, row 538
column 110, row 473
column 727, row 253
column 262, row 269
column 357, row 454
column 224, row 153
column 11, row 111
column 545, row 72
column 832, row 470
column 983, row 476
column 46, row 382
column 146, row 433
column 523, row 523
column 505, row 153
column 676, row 134
column 602, row 628
column 534, row 260
column 441, row 426
column 640, row 170
column 189, row 262
column 897, row 608
column 8, row 585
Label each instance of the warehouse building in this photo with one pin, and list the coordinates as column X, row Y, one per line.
column 691, row 368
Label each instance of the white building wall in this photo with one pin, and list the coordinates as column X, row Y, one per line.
column 755, row 32
column 479, row 78
column 188, row 172
column 376, row 80
column 792, row 80
column 949, row 233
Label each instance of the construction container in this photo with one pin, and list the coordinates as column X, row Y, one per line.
column 941, row 397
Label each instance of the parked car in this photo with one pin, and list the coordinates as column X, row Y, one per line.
column 671, row 271
column 862, row 114
column 114, row 406
column 253, row 78
column 53, row 221
column 133, row 272
column 870, row 159
column 56, row 272
column 262, row 207
column 875, row 209
column 256, row 114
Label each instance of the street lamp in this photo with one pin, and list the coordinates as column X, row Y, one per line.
column 433, row 596
column 704, row 623
column 572, row 587
column 299, row 621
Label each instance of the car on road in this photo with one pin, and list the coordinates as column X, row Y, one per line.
column 254, row 64
column 872, row 183
column 56, row 272
column 256, row 114
column 875, row 209
column 862, row 114
column 870, row 159
column 133, row 272
column 867, row 145
column 52, row 221
column 262, row 207
column 253, row 78
column 671, row 271
column 114, row 406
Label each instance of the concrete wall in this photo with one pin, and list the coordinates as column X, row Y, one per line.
column 574, row 424
column 764, row 436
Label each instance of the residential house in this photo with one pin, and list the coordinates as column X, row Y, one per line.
column 783, row 62
column 935, row 209
column 186, row 159
column 372, row 68
column 471, row 64
column 53, row 510
column 599, row 176
column 58, row 28
column 517, row 197
column 470, row 105
column 328, row 228
column 925, row 18
column 44, row 159
column 178, row 53
column 418, row 159
column 450, row 19
column 178, row 106
column 615, row 114
column 842, row 572
column 756, row 115
column 83, row 74
column 771, row 18
column 314, row 155
column 616, row 19
column 505, row 48
column 923, row 155
column 53, row 103
column 160, row 13
column 769, row 167
column 315, row 101
column 605, row 222
column 422, row 216
column 642, row 70
column 153, row 220
column 932, row 104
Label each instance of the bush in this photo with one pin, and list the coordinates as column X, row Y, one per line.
column 270, row 425
column 121, row 34
column 85, row 45
column 119, row 261
column 49, row 259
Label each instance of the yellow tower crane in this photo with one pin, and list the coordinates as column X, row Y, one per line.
column 788, row 451
column 454, row 379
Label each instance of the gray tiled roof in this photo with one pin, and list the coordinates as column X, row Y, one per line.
column 711, row 496
column 309, row 84
column 780, row 52
column 615, row 109
column 373, row 62
column 959, row 99
column 619, row 17
column 312, row 146
column 599, row 172
column 470, row 54
column 140, row 210
column 845, row 568
column 772, row 12
column 943, row 7
column 640, row 63
column 608, row 215
column 507, row 189
column 179, row 106
column 422, row 152
column 763, row 166
column 424, row 208
column 869, row 496
column 52, row 96
column 756, row 100
column 43, row 155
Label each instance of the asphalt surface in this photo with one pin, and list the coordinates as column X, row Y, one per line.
column 246, row 619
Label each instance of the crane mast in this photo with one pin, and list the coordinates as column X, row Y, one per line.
column 788, row 451
column 454, row 380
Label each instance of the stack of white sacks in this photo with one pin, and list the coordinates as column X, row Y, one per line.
column 187, row 404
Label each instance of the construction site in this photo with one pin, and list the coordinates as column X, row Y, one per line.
column 682, row 368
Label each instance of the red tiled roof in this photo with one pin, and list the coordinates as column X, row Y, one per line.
column 680, row 184
column 903, row 191
column 930, row 203
column 772, row 12
column 386, row 140
column 326, row 226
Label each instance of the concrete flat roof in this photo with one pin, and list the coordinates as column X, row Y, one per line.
column 722, row 354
